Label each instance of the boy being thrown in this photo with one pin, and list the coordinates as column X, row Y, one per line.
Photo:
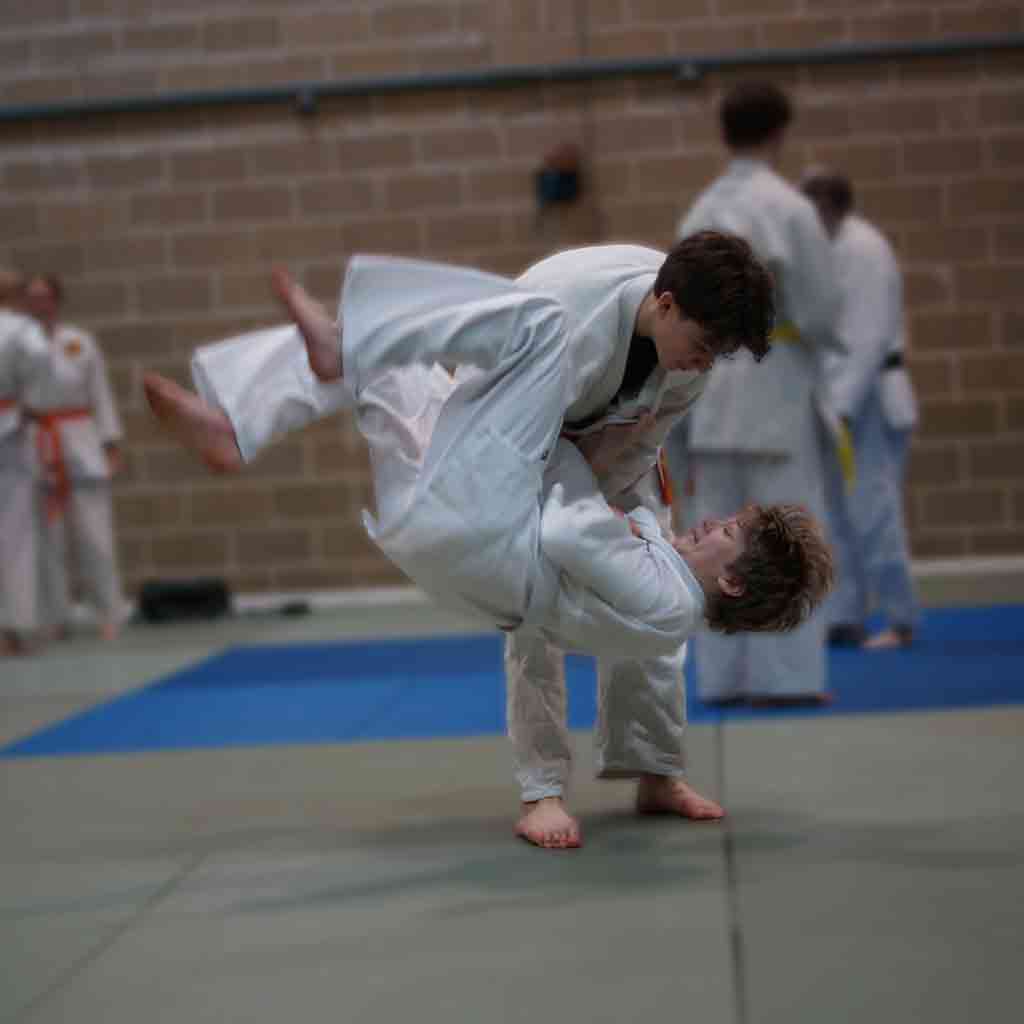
column 478, row 500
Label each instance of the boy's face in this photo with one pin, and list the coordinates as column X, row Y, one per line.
column 40, row 301
column 710, row 548
column 682, row 343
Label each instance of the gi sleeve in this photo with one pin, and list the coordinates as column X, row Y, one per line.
column 101, row 398
column 598, row 550
column 870, row 320
column 810, row 283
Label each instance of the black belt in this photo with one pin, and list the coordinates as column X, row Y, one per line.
column 893, row 361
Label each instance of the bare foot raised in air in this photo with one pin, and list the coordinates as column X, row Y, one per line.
column 200, row 427
column 666, row 794
column 318, row 330
column 548, row 824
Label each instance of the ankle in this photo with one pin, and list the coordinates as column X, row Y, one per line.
column 545, row 801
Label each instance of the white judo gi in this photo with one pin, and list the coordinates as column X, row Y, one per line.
column 598, row 291
column 756, row 435
column 24, row 355
column 74, row 415
column 641, row 700
column 873, row 392
column 478, row 500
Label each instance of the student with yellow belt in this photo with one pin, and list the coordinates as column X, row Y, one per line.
column 756, row 434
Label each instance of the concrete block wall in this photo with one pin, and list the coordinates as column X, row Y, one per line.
column 165, row 226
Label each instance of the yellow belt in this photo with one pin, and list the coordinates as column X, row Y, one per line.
column 785, row 332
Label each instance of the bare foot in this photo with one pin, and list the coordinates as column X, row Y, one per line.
column 546, row 823
column 200, row 427
column 318, row 330
column 109, row 631
column 667, row 794
column 889, row 639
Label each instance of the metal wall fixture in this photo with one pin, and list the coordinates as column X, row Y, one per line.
column 305, row 96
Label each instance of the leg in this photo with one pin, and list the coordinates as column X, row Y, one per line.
column 640, row 731
column 18, row 567
column 54, row 602
column 790, row 668
column 535, row 679
column 319, row 331
column 200, row 427
column 721, row 483
column 396, row 312
column 846, row 607
column 91, row 514
column 467, row 528
column 252, row 389
column 881, row 530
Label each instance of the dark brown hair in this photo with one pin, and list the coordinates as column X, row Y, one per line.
column 753, row 113
column 823, row 185
column 12, row 284
column 716, row 280
column 786, row 570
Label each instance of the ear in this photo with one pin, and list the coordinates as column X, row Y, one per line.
column 665, row 301
column 731, row 586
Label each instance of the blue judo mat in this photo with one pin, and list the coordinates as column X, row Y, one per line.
column 453, row 686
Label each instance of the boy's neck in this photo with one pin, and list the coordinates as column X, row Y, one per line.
column 644, row 323
column 767, row 153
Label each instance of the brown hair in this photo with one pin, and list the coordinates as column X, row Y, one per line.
column 822, row 185
column 716, row 280
column 52, row 282
column 786, row 570
column 754, row 113
column 12, row 285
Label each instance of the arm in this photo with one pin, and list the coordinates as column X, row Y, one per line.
column 632, row 598
column 626, row 462
column 870, row 320
column 101, row 398
column 104, row 410
column 810, row 282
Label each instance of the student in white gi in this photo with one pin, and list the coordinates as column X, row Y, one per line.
column 755, row 436
column 78, row 432
column 477, row 498
column 24, row 354
column 265, row 390
column 641, row 701
column 873, row 394
column 627, row 388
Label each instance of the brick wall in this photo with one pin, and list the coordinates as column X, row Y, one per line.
column 166, row 225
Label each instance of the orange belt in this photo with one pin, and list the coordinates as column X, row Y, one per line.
column 51, row 454
column 664, row 480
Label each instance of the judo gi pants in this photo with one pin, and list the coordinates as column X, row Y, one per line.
column 867, row 529
column 641, row 704
column 759, row 664
column 84, row 530
column 19, row 524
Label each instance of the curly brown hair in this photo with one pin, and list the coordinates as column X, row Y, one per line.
column 716, row 280
column 786, row 570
